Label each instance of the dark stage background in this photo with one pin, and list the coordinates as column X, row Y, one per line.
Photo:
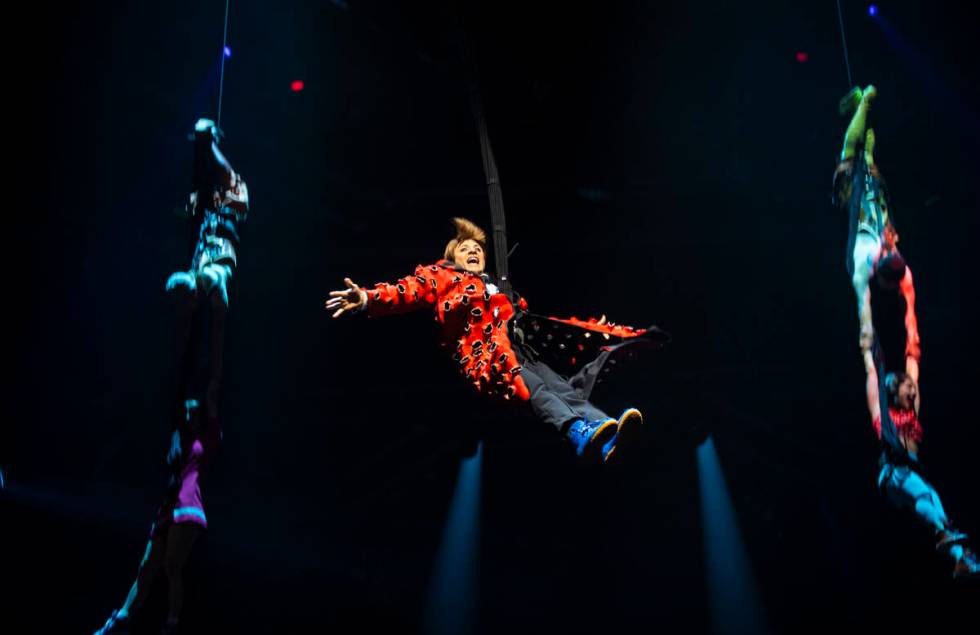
column 664, row 163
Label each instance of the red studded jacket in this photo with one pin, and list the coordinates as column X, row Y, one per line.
column 474, row 316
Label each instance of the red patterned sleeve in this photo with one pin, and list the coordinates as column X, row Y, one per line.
column 419, row 291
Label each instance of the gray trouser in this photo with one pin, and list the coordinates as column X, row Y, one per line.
column 553, row 399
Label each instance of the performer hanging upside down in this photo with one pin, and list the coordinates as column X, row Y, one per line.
column 872, row 244
column 894, row 406
column 502, row 349
column 220, row 202
column 893, row 398
column 180, row 521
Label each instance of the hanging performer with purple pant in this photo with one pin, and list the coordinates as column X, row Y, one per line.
column 219, row 202
column 893, row 398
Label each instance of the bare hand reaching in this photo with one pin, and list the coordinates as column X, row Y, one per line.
column 352, row 298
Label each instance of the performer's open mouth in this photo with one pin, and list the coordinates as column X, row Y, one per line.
column 472, row 260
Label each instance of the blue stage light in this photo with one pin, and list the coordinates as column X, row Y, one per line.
column 872, row 10
column 452, row 603
column 227, row 51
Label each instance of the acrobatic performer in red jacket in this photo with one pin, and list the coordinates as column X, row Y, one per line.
column 507, row 352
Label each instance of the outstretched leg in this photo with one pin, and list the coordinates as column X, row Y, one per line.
column 183, row 288
column 180, row 541
column 150, row 566
column 553, row 400
column 556, row 402
column 214, row 283
column 856, row 129
column 867, row 249
column 906, row 489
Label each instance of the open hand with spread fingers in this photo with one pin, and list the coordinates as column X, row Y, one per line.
column 353, row 298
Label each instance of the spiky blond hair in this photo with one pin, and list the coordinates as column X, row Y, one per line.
column 465, row 230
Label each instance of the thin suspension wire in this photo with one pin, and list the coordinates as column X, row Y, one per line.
column 847, row 63
column 224, row 47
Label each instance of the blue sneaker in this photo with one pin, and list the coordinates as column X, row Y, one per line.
column 626, row 429
column 589, row 436
column 115, row 624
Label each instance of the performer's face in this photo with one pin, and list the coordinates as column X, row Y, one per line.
column 906, row 394
column 469, row 255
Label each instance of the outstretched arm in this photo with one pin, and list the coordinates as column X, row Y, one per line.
column 911, row 322
column 417, row 291
column 871, row 386
column 912, row 351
